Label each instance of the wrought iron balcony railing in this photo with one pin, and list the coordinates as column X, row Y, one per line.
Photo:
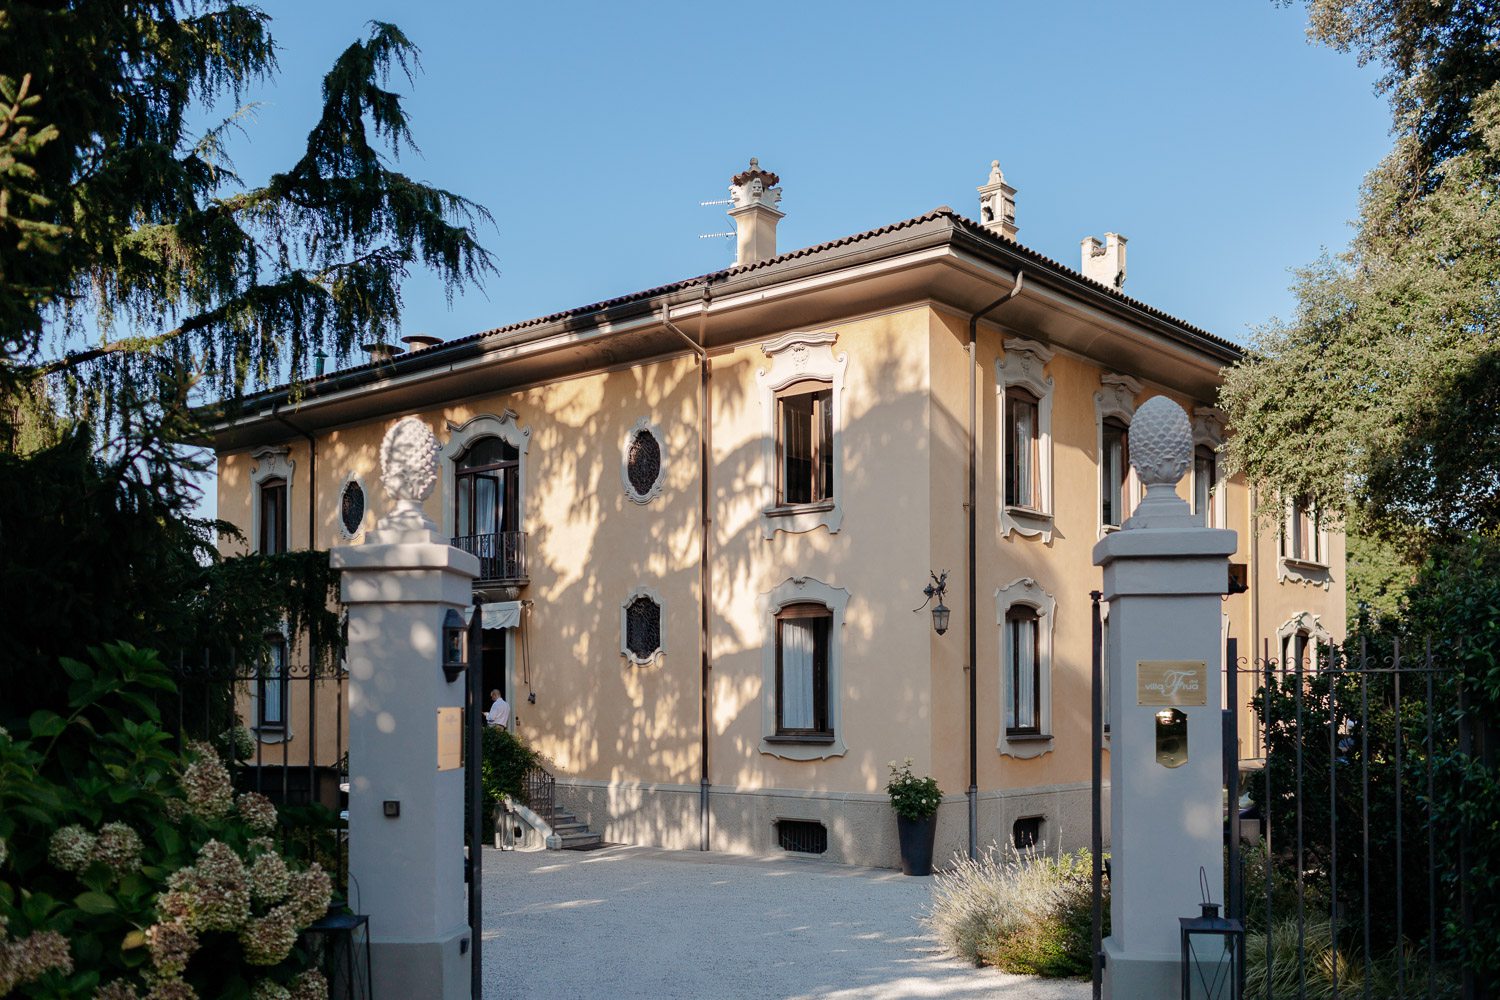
column 502, row 555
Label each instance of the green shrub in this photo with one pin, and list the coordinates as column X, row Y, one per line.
column 127, row 865
column 912, row 797
column 1321, row 961
column 1022, row 914
column 504, row 764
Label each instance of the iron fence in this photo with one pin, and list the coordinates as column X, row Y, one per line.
column 292, row 716
column 1347, row 878
column 539, row 789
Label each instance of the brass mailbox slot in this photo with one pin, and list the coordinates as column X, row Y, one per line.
column 1171, row 738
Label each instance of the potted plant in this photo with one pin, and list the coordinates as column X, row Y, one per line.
column 916, row 802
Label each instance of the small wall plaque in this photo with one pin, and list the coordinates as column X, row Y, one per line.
column 450, row 738
column 1171, row 682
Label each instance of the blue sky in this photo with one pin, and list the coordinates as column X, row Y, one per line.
column 1213, row 135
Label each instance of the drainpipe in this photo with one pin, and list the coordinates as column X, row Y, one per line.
column 705, row 458
column 312, row 473
column 1015, row 289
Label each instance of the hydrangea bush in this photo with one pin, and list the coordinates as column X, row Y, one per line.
column 912, row 797
column 132, row 871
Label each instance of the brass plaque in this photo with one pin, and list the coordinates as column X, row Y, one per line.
column 1171, row 682
column 450, row 738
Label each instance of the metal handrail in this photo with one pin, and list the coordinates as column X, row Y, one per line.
column 539, row 792
column 502, row 554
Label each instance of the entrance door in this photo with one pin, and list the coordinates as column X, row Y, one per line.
column 492, row 664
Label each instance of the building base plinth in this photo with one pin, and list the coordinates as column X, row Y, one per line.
column 437, row 969
column 1140, row 977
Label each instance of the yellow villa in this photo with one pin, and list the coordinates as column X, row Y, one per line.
column 705, row 513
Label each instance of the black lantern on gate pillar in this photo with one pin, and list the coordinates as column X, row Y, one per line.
column 1213, row 953
column 455, row 645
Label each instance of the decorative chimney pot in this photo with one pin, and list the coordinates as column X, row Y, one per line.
column 1104, row 262
column 997, row 204
column 753, row 197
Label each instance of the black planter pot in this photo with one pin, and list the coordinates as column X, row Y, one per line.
column 917, row 836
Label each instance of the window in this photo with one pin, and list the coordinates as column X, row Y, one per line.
column 1024, row 393
column 1205, row 485
column 1023, row 703
column 1114, row 409
column 641, row 626
column 1304, row 533
column 642, row 470
column 1025, row 614
column 1022, row 440
column 1114, row 465
column 801, row 696
column 352, row 508
column 802, row 672
column 273, row 512
column 1301, row 637
column 271, row 684
column 1209, row 496
column 485, row 495
column 804, row 444
column 801, row 393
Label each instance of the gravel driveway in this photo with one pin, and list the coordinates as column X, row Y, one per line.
column 631, row 922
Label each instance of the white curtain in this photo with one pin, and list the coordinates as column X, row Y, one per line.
column 1025, row 436
column 797, row 644
column 1021, row 712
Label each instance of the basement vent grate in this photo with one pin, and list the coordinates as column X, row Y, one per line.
column 1026, row 834
column 802, row 836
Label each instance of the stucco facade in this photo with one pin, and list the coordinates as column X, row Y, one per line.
column 888, row 328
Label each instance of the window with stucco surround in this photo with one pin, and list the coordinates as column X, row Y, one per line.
column 271, row 499
column 354, row 506
column 802, row 670
column 1303, row 641
column 1303, row 556
column 1024, row 391
column 642, row 626
column 643, row 467
column 801, row 394
column 1209, row 496
column 271, row 693
column 1114, row 409
column 1026, row 615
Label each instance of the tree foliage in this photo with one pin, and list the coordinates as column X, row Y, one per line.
column 159, row 250
column 1378, row 396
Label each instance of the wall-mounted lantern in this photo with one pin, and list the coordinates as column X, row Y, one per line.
column 936, row 589
column 455, row 645
column 1213, row 952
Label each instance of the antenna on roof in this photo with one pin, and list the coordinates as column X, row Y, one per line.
column 717, row 236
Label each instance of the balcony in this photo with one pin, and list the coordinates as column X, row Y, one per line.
column 502, row 557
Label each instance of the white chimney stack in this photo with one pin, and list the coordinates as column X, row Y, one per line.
column 753, row 197
column 1105, row 262
column 997, row 204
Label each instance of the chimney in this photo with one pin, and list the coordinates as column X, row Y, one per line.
column 1105, row 262
column 420, row 341
column 997, row 204
column 753, row 197
column 382, row 352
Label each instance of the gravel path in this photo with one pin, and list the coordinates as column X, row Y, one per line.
column 630, row 922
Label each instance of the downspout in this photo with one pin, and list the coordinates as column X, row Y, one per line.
column 1015, row 289
column 312, row 473
column 705, row 457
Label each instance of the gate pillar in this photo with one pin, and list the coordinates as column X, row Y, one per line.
column 406, row 794
column 1164, row 573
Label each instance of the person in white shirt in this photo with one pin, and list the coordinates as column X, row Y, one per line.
column 499, row 713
